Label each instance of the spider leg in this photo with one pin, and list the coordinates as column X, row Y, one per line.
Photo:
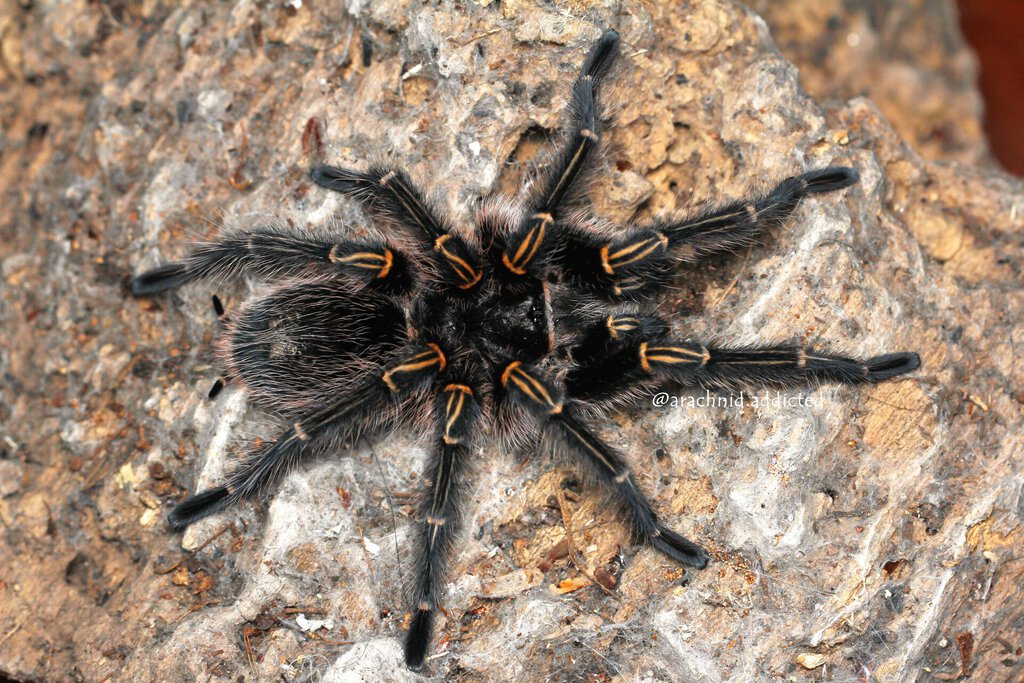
column 739, row 223
column 390, row 192
column 524, row 251
column 339, row 420
column 456, row 412
column 273, row 253
column 545, row 401
column 783, row 365
column 637, row 358
column 642, row 259
column 602, row 337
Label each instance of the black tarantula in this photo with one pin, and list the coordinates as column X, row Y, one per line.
column 529, row 327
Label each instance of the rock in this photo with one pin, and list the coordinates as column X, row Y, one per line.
column 908, row 56
column 879, row 526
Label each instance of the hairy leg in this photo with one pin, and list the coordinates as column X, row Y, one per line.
column 545, row 401
column 389, row 192
column 527, row 250
column 275, row 253
column 626, row 351
column 456, row 413
column 641, row 260
column 338, row 420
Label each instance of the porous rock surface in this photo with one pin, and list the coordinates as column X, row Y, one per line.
column 857, row 533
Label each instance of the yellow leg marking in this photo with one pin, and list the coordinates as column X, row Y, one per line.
column 456, row 401
column 435, row 521
column 459, row 266
column 568, row 171
column 617, row 324
column 643, row 358
column 587, row 133
column 387, row 178
column 368, row 260
column 421, row 360
column 752, row 210
column 508, row 371
column 712, row 219
column 440, row 354
column 300, row 432
column 528, row 247
column 667, row 351
column 631, row 253
column 755, row 362
column 424, row 607
column 511, row 266
column 389, row 260
column 801, row 358
column 628, row 249
column 622, row 478
column 590, row 447
column 604, row 261
column 472, row 282
column 530, row 385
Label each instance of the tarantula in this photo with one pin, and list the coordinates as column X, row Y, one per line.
column 529, row 327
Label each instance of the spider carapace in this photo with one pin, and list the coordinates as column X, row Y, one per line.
column 529, row 327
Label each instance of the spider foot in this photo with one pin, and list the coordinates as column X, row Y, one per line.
column 418, row 638
column 829, row 179
column 881, row 368
column 203, row 504
column 159, row 279
column 678, row 548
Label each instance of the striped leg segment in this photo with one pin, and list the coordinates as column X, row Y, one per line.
column 642, row 260
column 694, row 364
column 739, row 223
column 603, row 338
column 607, row 360
column 340, row 421
column 391, row 193
column 626, row 268
column 525, row 251
column 457, row 411
column 546, row 402
column 691, row 363
column 273, row 253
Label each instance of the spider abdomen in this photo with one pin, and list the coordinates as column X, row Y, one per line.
column 306, row 340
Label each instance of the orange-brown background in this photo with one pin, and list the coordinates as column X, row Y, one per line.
column 994, row 29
